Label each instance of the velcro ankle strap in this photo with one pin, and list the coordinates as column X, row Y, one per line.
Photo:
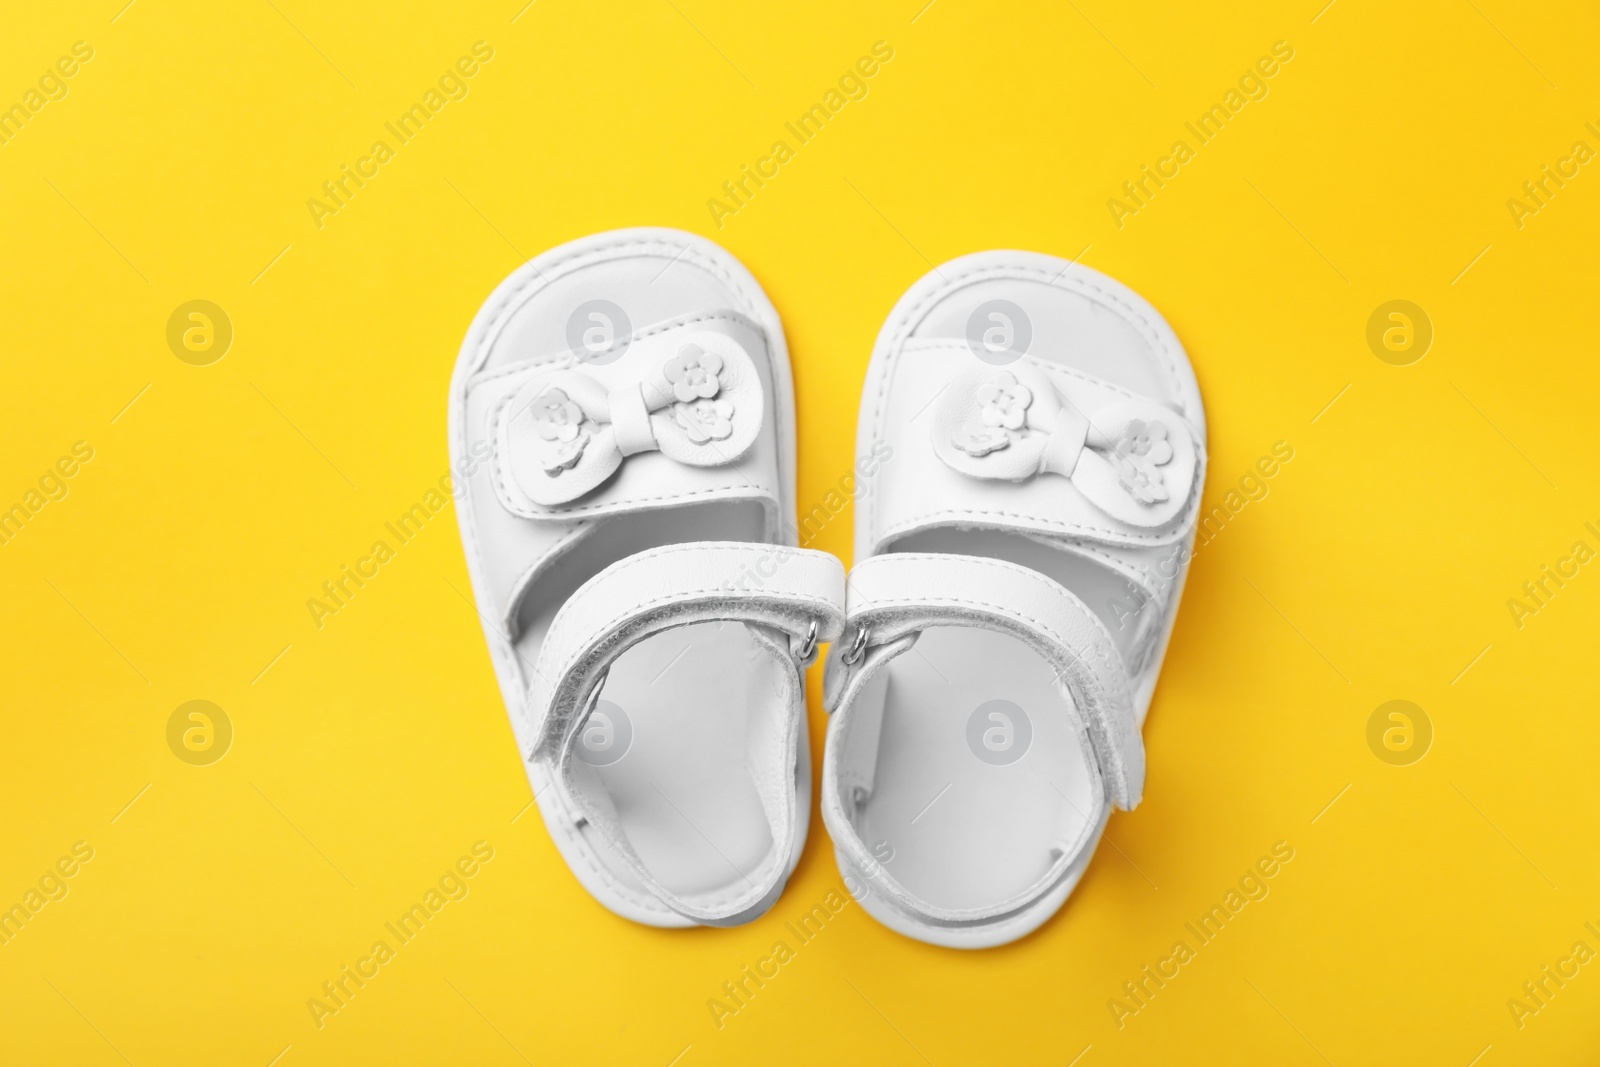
column 796, row 593
column 899, row 593
column 893, row 597
column 796, row 590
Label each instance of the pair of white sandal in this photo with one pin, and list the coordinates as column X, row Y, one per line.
column 1029, row 461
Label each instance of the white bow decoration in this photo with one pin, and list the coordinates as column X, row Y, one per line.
column 1133, row 459
column 565, row 433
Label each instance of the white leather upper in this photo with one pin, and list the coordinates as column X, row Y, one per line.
column 1088, row 446
column 556, row 452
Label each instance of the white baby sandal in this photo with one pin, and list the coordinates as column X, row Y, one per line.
column 1032, row 449
column 622, row 432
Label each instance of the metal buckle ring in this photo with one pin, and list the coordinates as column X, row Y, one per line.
column 858, row 648
column 809, row 649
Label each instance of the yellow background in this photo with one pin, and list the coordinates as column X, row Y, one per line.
column 373, row 752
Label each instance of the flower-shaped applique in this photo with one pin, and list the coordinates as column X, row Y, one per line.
column 693, row 374
column 555, row 416
column 1137, row 452
column 559, row 423
column 1004, row 402
column 705, row 420
column 1002, row 413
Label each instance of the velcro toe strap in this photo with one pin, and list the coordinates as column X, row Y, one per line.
column 1133, row 459
column 1036, row 447
column 899, row 593
column 688, row 401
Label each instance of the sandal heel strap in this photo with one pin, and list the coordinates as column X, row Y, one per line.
column 899, row 593
column 793, row 597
